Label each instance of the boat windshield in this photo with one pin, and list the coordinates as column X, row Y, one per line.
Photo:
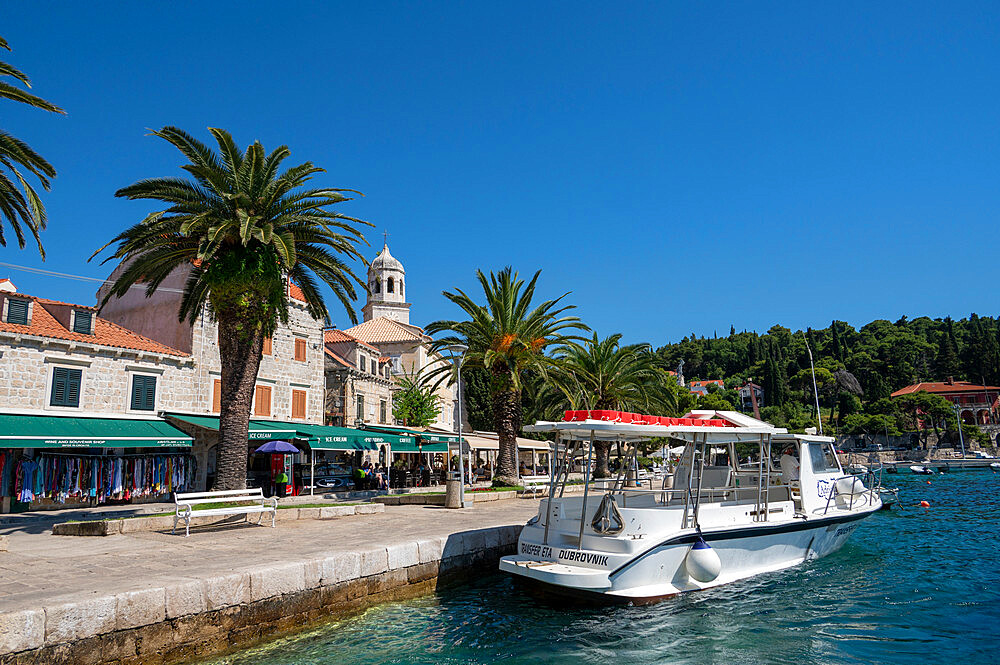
column 822, row 458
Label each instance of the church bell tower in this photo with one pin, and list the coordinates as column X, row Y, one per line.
column 386, row 289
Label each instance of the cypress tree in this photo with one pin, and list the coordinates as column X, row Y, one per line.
column 838, row 352
column 946, row 363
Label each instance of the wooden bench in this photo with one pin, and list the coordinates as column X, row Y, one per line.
column 535, row 483
column 253, row 499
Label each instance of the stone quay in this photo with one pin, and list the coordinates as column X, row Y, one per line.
column 148, row 598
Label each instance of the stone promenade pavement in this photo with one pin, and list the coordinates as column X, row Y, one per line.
column 41, row 569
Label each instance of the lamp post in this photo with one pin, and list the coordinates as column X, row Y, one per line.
column 458, row 353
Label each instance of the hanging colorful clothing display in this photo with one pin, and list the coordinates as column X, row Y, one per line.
column 63, row 477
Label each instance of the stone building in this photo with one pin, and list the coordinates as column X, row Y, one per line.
column 39, row 338
column 976, row 404
column 358, row 382
column 290, row 382
column 387, row 327
column 77, row 385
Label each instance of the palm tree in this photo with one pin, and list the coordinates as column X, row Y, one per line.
column 414, row 401
column 507, row 337
column 603, row 374
column 242, row 228
column 21, row 207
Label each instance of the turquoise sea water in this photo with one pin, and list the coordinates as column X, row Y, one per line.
column 911, row 586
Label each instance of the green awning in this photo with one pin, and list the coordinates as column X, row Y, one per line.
column 326, row 437
column 69, row 432
column 425, row 448
column 260, row 430
column 423, row 442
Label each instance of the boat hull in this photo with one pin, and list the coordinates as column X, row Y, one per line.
column 659, row 571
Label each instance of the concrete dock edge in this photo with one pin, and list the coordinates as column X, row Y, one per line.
column 198, row 618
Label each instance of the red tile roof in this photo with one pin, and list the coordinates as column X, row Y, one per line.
column 707, row 382
column 385, row 330
column 335, row 336
column 295, row 292
column 106, row 333
column 944, row 387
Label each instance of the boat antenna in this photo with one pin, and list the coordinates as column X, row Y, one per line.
column 812, row 367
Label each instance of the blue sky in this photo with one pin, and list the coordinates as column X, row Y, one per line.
column 679, row 167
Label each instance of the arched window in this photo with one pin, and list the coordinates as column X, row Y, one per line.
column 401, row 289
column 388, row 285
column 376, row 286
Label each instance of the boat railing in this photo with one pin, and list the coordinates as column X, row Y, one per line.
column 835, row 492
column 874, row 481
column 666, row 496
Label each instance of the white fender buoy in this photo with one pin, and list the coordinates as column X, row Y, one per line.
column 702, row 562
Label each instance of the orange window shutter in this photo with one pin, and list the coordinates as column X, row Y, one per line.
column 267, row 346
column 262, row 401
column 298, row 404
column 300, row 349
column 216, row 396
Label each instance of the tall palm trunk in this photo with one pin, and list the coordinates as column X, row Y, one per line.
column 240, row 351
column 602, row 453
column 507, row 419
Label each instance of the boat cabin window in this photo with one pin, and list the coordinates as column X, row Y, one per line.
column 822, row 457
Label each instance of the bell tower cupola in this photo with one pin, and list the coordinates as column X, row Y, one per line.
column 386, row 288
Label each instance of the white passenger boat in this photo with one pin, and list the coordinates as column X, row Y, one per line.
column 712, row 521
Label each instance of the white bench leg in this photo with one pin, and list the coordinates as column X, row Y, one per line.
column 187, row 526
column 174, row 530
column 274, row 516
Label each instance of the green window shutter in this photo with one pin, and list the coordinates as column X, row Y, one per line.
column 66, row 386
column 58, row 386
column 17, row 311
column 82, row 322
column 73, row 390
column 143, row 393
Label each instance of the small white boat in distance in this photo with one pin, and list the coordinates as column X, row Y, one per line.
column 712, row 521
column 921, row 469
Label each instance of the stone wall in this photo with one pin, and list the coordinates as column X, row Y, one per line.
column 374, row 389
column 279, row 370
column 156, row 318
column 203, row 617
column 26, row 373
